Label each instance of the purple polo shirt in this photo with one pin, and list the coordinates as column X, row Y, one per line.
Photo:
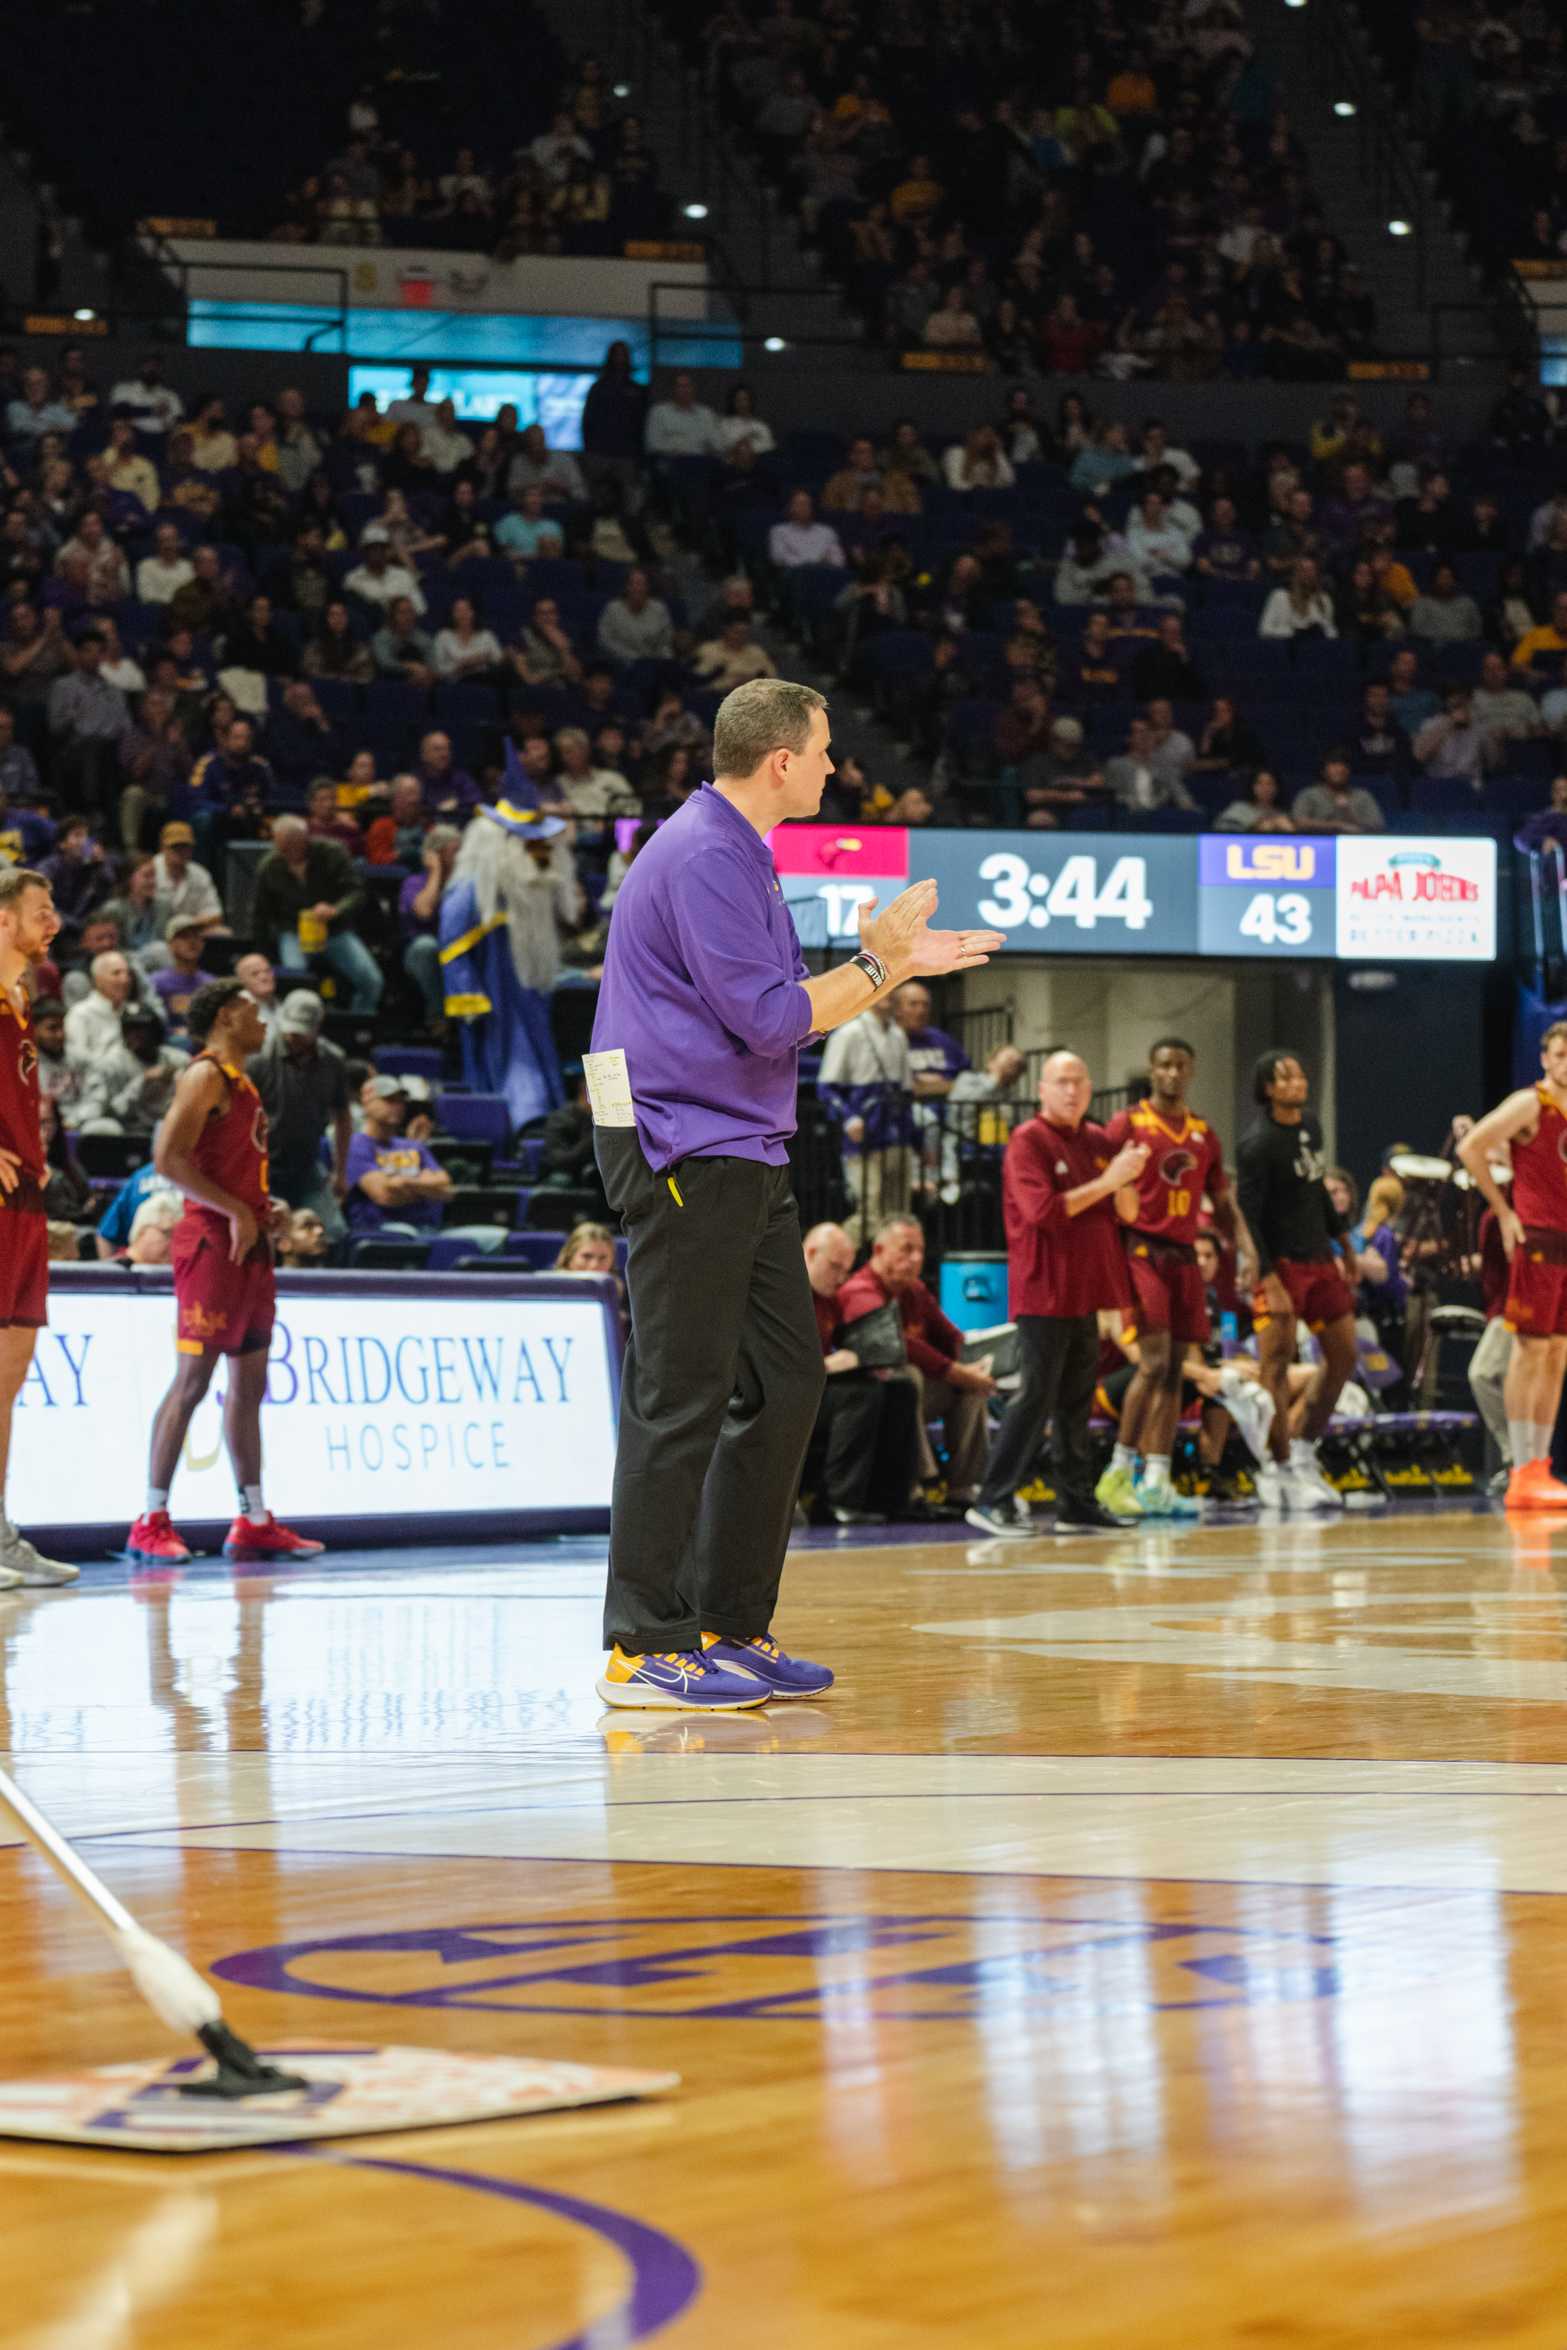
column 702, row 991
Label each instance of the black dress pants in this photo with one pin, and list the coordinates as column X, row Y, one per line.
column 1059, row 1354
column 718, row 1395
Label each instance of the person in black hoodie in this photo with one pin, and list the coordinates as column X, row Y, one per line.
column 614, row 416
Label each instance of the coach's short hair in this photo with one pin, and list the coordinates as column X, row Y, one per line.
column 208, row 1005
column 764, row 715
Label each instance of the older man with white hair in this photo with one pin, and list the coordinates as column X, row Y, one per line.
column 92, row 1026
column 867, row 1422
column 307, row 897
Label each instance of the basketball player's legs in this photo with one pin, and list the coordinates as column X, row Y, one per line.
column 171, row 1422
column 1337, row 1341
column 17, row 1341
column 247, row 1388
column 1532, row 1392
column 1275, row 1359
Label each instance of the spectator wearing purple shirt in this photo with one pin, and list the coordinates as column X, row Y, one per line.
column 704, row 1006
column 449, row 790
column 394, row 1184
column 418, row 912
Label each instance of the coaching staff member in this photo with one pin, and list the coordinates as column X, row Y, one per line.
column 1065, row 1265
column 692, row 1077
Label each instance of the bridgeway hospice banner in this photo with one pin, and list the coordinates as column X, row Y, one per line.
column 415, row 1403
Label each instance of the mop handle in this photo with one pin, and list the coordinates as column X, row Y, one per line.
column 75, row 1873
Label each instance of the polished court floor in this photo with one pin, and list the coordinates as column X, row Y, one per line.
column 1156, row 1939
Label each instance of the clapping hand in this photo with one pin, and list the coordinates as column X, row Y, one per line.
column 901, row 937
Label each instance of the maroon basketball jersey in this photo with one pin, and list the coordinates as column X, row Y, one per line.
column 19, row 1127
column 1540, row 1170
column 231, row 1149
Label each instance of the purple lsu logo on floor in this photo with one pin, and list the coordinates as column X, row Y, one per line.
column 805, row 1966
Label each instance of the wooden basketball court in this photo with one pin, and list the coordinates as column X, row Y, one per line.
column 1155, row 1939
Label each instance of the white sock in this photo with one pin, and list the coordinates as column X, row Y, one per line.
column 255, row 1508
column 1544, row 1431
column 1303, row 1453
column 1520, row 1442
column 1156, row 1468
column 157, row 1499
column 1124, row 1459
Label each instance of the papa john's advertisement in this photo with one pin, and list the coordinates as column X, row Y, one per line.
column 377, row 1407
column 1416, row 899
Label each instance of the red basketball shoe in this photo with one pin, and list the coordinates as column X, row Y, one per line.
column 270, row 1539
column 153, row 1541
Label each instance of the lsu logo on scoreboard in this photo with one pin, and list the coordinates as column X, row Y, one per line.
column 1271, row 860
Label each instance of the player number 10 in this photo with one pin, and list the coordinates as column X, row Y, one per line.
column 1278, row 921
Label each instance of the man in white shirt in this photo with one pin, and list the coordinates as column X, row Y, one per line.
column 866, row 1083
column 802, row 539
column 156, row 406
column 161, row 575
column 377, row 579
column 444, row 442
column 187, row 888
column 682, row 426
column 92, row 1026
column 1504, row 710
column 1171, row 754
column 1155, row 543
column 635, row 625
column 555, row 150
column 1154, row 450
column 1137, row 781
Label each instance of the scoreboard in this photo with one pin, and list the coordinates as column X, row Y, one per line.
column 1365, row 898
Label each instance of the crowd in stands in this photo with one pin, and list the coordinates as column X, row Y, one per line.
column 1486, row 86
column 1125, row 197
column 585, row 182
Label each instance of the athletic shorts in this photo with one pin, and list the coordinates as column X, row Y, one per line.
column 224, row 1308
column 1110, row 1395
column 1318, row 1291
column 1168, row 1289
column 24, row 1270
column 1536, row 1302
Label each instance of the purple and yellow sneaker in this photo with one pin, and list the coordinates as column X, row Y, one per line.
column 765, row 1661
column 685, row 1681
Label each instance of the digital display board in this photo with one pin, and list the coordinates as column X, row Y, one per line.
column 403, row 1401
column 1366, row 898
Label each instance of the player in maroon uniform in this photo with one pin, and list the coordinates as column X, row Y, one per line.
column 213, row 1145
column 1185, row 1162
column 28, row 923
column 1532, row 1126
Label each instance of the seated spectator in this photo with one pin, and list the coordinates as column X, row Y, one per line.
column 1553, row 703
column 978, row 463
column 92, row 1025
column 1165, row 669
column 952, row 326
column 1171, row 752
column 587, row 1248
column 124, row 469
column 306, row 1242
column 553, row 471
column 529, row 531
column 418, row 913
column 36, row 411
column 593, row 795
column 177, row 982
column 465, row 653
column 184, row 886
column 1022, row 730
column 1335, row 803
column 1139, row 780
column 682, row 425
column 1092, row 559
column 1379, row 745
column 801, row 539
column 448, row 791
column 1227, row 744
column 847, row 489
column 1304, row 608
column 1551, row 638
column 256, row 974
column 160, row 575
column 544, row 654
column 232, row 788
column 131, row 1083
column 1443, row 616
column 89, row 720
column 155, row 406
column 1093, row 678
column 635, row 625
column 741, row 426
column 1225, row 550
column 1154, row 541
column 301, row 738
column 401, row 648
column 394, row 1184
column 1409, row 702
column 1105, row 461
column 307, row 897
column 327, row 821
column 443, row 440
column 732, row 657
column 397, row 835
column 865, row 1428
column 948, row 1389
column 151, row 1236
column 78, row 875
column 1504, row 712
column 376, row 579
column 334, row 650
column 253, row 642
column 1258, row 809
column 63, row 1073
column 1453, row 743
column 1065, row 775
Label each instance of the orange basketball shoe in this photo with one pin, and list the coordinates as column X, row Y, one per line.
column 1534, row 1488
